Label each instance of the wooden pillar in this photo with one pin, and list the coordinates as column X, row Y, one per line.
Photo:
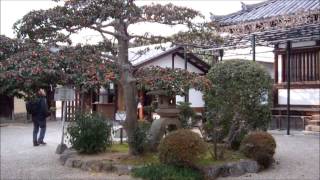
column 288, row 85
column 253, row 43
column 276, row 75
column 186, row 97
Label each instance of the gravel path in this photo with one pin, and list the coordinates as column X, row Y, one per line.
column 297, row 158
column 20, row 160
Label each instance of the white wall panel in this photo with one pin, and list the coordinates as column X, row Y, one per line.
column 300, row 96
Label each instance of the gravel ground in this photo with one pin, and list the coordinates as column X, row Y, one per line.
column 297, row 158
column 20, row 160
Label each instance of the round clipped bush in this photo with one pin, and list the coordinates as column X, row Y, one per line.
column 240, row 90
column 181, row 148
column 89, row 133
column 259, row 146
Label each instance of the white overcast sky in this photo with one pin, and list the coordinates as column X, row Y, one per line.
column 13, row 10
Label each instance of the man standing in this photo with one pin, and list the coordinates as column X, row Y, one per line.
column 39, row 111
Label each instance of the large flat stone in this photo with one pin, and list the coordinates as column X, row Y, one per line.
column 250, row 166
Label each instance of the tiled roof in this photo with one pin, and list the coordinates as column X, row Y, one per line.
column 268, row 9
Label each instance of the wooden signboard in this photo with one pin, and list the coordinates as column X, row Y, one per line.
column 64, row 94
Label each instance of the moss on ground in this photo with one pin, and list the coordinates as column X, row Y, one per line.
column 229, row 156
column 152, row 158
column 122, row 148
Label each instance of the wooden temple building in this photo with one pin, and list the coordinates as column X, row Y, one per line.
column 110, row 100
column 292, row 28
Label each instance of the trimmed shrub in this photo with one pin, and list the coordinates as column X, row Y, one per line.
column 166, row 172
column 181, row 148
column 140, row 137
column 241, row 91
column 259, row 146
column 186, row 114
column 89, row 133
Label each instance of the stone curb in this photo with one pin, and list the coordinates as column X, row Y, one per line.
column 69, row 159
column 230, row 169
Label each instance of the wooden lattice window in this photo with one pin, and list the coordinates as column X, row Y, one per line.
column 305, row 66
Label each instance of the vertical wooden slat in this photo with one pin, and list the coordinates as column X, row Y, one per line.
column 293, row 68
column 284, row 62
column 311, row 66
column 302, row 67
column 314, row 66
column 276, row 69
column 318, row 65
column 299, row 67
column 305, row 66
column 308, row 67
column 69, row 107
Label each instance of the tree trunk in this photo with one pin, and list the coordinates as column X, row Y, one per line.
column 128, row 83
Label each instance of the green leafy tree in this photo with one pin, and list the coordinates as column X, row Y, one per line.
column 27, row 65
column 110, row 18
column 186, row 114
column 240, row 98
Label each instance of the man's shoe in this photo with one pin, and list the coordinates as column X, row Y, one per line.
column 35, row 144
column 43, row 143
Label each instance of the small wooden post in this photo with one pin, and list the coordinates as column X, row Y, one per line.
column 121, row 135
column 221, row 52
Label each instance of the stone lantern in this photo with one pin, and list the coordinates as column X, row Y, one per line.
column 168, row 117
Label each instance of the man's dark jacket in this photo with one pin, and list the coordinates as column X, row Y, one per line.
column 41, row 112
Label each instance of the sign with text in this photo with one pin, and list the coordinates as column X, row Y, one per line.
column 121, row 116
column 64, row 94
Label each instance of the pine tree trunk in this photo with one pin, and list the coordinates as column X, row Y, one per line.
column 128, row 83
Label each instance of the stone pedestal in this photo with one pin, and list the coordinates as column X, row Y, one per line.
column 168, row 118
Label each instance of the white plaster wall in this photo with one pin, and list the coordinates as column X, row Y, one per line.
column 166, row 61
column 195, row 97
column 19, row 105
column 300, row 96
column 179, row 63
column 279, row 68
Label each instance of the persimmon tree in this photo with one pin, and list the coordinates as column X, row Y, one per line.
column 111, row 19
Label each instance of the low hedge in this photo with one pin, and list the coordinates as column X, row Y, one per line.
column 259, row 146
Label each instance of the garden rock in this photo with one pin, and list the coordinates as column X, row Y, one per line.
column 211, row 172
column 68, row 153
column 235, row 169
column 107, row 166
column 70, row 158
column 77, row 163
column 250, row 166
column 69, row 162
column 92, row 165
column 230, row 169
column 123, row 169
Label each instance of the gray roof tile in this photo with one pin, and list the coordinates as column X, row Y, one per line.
column 268, row 9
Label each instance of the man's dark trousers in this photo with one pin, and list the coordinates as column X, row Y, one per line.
column 36, row 126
